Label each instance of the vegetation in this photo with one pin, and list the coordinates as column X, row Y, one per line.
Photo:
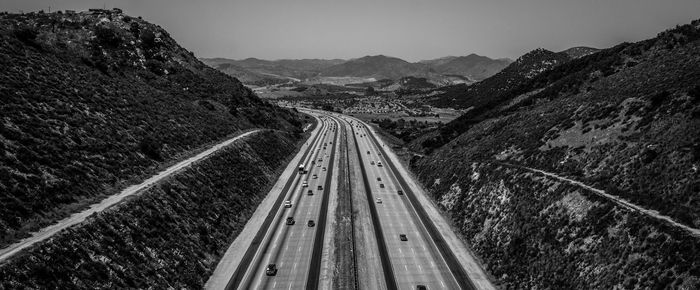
column 94, row 102
column 624, row 120
column 172, row 235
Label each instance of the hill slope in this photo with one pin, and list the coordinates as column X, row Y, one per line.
column 94, row 101
column 624, row 120
column 475, row 66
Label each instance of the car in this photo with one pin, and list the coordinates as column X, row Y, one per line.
column 372, row 163
column 314, row 176
column 368, row 152
column 379, row 164
column 311, row 223
column 320, row 187
column 310, row 192
column 271, row 270
column 403, row 237
column 400, row 192
column 379, row 179
column 304, row 184
column 287, row 203
column 421, row 287
column 324, row 169
column 379, row 200
column 319, row 165
column 290, row 221
column 381, row 185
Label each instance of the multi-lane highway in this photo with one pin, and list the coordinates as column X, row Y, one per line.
column 287, row 250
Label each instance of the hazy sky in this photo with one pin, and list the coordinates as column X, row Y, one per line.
column 409, row 29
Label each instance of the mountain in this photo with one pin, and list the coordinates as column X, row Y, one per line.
column 539, row 183
column 483, row 93
column 378, row 67
column 253, row 70
column 92, row 101
column 580, row 51
column 474, row 66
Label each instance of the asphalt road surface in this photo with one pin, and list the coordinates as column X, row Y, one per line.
column 295, row 249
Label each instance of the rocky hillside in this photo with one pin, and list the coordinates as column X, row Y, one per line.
column 625, row 121
column 94, row 101
column 171, row 236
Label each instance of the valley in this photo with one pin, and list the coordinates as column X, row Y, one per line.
column 127, row 162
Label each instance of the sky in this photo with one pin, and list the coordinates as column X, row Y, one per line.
column 409, row 29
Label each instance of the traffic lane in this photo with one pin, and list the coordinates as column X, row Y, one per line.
column 279, row 230
column 293, row 258
column 407, row 256
column 447, row 280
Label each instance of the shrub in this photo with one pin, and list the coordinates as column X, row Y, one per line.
column 151, row 148
column 107, row 36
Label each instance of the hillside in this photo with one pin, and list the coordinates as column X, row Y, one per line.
column 484, row 96
column 474, row 66
column 171, row 236
column 625, row 121
column 95, row 101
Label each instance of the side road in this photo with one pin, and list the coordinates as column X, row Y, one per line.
column 79, row 217
column 626, row 204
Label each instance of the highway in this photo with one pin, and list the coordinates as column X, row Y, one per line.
column 295, row 249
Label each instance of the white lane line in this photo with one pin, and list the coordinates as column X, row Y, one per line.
column 274, row 285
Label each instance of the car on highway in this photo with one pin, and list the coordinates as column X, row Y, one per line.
column 311, row 223
column 368, row 152
column 400, row 192
column 403, row 237
column 421, row 287
column 271, row 270
column 304, row 184
column 287, row 203
column 290, row 221
column 319, row 165
column 314, row 176
column 324, row 169
column 372, row 163
column 379, row 179
column 310, row 192
column 381, row 185
column 320, row 187
column 379, row 200
column 379, row 164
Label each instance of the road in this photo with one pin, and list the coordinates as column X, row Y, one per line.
column 79, row 217
column 422, row 258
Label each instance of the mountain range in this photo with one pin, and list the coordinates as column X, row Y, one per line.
column 256, row 71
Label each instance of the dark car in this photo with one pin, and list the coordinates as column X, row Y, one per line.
column 290, row 221
column 379, row 179
column 271, row 270
column 403, row 237
column 368, row 152
column 311, row 223
column 381, row 185
column 320, row 187
column 400, row 192
column 421, row 287
column 310, row 192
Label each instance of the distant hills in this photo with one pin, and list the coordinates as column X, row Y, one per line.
column 439, row 71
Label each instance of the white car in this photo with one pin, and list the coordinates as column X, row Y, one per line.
column 287, row 203
column 304, row 184
column 379, row 200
